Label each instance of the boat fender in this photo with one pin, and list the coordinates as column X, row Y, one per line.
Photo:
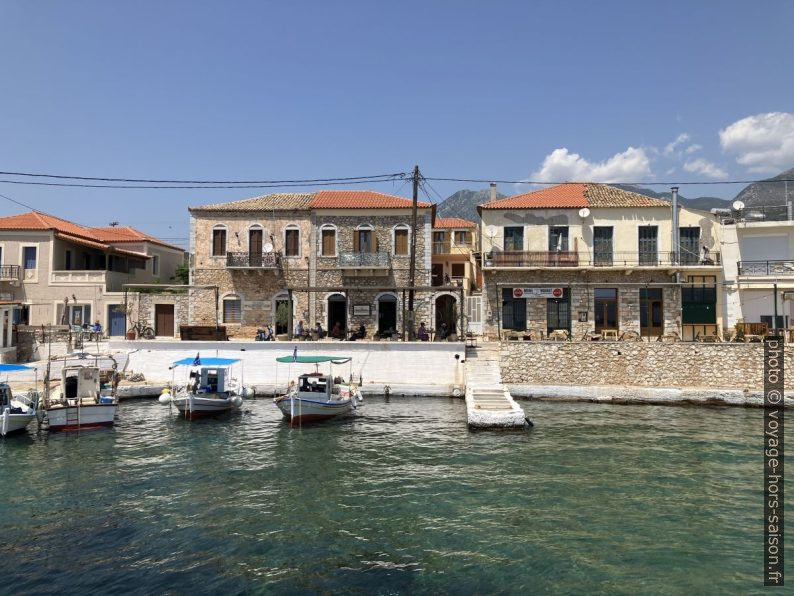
column 237, row 401
column 247, row 392
column 165, row 397
column 456, row 391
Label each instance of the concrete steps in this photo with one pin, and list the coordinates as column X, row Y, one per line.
column 488, row 402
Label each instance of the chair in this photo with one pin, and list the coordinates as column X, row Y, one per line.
column 558, row 335
column 630, row 335
column 471, row 340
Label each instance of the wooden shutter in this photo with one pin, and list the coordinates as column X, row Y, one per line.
column 255, row 242
column 356, row 242
column 401, row 242
column 218, row 243
column 373, row 246
column 329, row 242
column 292, row 243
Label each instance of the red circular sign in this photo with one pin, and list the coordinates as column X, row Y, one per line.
column 518, row 292
column 557, row 292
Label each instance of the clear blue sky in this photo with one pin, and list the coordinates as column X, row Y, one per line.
column 241, row 90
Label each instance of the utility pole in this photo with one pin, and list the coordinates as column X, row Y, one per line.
column 412, row 270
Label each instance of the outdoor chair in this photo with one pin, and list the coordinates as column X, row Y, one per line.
column 630, row 335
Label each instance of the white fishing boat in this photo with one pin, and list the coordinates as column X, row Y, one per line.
column 317, row 396
column 210, row 390
column 16, row 411
column 87, row 395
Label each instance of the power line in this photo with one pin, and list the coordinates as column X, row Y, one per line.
column 643, row 183
column 151, row 187
column 18, row 202
column 145, row 180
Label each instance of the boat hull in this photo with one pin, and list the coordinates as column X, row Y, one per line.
column 302, row 411
column 202, row 407
column 82, row 418
column 14, row 422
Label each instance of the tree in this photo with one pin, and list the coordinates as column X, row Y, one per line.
column 182, row 274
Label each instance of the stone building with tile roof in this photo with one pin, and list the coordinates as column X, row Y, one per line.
column 58, row 270
column 588, row 258
column 340, row 256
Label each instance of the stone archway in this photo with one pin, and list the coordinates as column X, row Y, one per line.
column 446, row 314
column 337, row 313
column 387, row 313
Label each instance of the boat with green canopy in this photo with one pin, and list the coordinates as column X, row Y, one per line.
column 316, row 395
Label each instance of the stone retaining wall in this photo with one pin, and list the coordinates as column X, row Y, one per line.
column 638, row 364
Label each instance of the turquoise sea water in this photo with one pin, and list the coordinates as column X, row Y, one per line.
column 400, row 498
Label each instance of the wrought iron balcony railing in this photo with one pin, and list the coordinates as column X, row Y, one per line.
column 253, row 260
column 10, row 272
column 763, row 268
column 370, row 260
column 535, row 259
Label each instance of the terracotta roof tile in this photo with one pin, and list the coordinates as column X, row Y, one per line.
column 453, row 222
column 361, row 199
column 120, row 234
column 283, row 201
column 575, row 196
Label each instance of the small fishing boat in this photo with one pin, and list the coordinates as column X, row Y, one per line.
column 16, row 411
column 210, row 390
column 317, row 396
column 87, row 397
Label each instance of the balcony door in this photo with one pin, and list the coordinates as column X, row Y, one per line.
column 255, row 247
column 648, row 240
column 602, row 245
column 558, row 238
column 514, row 238
column 606, row 308
column 363, row 241
column 689, row 243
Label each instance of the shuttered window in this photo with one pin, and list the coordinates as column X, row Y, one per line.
column 232, row 310
column 462, row 238
column 400, row 241
column 329, row 242
column 292, row 243
column 364, row 241
column 218, row 243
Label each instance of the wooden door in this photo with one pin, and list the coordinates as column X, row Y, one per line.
column 164, row 320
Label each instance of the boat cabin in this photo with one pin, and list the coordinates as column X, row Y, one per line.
column 209, row 380
column 80, row 382
column 5, row 396
column 315, row 385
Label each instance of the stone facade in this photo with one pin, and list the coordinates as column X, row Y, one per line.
column 638, row 364
column 580, row 285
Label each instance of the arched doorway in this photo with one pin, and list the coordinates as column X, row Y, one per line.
column 281, row 306
column 387, row 314
column 337, row 312
column 446, row 315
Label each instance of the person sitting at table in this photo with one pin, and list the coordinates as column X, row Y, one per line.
column 443, row 332
column 360, row 334
column 299, row 332
column 318, row 329
column 96, row 329
column 421, row 333
column 336, row 332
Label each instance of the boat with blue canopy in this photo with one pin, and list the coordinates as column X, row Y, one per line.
column 211, row 387
column 16, row 411
column 318, row 396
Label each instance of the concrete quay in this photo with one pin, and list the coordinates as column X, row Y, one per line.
column 489, row 404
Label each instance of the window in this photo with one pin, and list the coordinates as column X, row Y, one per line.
column 699, row 301
column 255, row 236
column 232, row 310
column 606, row 308
column 558, row 312
column 29, row 257
column 514, row 311
column 68, row 260
column 219, row 242
column 364, row 240
column 474, row 309
column 648, row 245
column 440, row 246
column 651, row 312
column 328, row 241
column 401, row 240
column 602, row 245
column 156, row 265
column 292, row 242
column 514, row 238
column 689, row 245
column 458, row 270
column 462, row 238
column 558, row 238
column 79, row 314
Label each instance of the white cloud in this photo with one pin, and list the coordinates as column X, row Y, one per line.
column 693, row 148
column 705, row 168
column 762, row 143
column 679, row 140
column 560, row 165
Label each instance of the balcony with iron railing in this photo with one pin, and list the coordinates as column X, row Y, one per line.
column 366, row 260
column 253, row 260
column 10, row 272
column 771, row 268
column 619, row 259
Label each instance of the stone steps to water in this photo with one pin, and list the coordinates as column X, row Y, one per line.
column 488, row 402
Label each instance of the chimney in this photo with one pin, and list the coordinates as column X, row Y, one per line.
column 493, row 191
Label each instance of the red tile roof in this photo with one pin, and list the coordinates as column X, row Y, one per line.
column 94, row 237
column 575, row 196
column 453, row 222
column 361, row 199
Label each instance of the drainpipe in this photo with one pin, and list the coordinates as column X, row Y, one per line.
column 676, row 245
column 774, row 302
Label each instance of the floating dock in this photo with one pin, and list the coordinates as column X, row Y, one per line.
column 488, row 402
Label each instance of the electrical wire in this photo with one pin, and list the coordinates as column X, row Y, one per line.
column 18, row 202
column 642, row 183
column 176, row 187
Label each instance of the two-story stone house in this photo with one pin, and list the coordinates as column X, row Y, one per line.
column 59, row 271
column 593, row 258
column 338, row 257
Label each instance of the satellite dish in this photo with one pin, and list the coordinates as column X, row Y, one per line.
column 584, row 212
column 491, row 231
column 268, row 247
column 737, row 205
